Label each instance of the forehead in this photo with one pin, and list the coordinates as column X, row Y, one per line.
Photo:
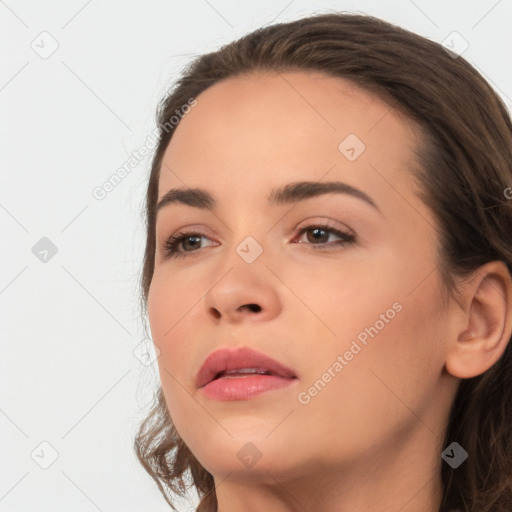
column 264, row 129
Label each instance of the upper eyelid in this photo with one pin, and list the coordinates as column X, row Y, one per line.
column 304, row 223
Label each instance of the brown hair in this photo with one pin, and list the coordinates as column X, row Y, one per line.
column 466, row 161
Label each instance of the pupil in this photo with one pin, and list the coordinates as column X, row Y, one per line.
column 196, row 238
column 316, row 232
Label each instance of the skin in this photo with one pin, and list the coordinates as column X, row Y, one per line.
column 371, row 439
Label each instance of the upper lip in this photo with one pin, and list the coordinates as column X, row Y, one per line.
column 245, row 357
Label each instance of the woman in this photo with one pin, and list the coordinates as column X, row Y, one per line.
column 327, row 276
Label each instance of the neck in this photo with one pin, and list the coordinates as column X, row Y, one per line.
column 405, row 477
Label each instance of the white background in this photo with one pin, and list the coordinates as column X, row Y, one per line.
column 69, row 326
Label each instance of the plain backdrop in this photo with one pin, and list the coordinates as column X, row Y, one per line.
column 79, row 84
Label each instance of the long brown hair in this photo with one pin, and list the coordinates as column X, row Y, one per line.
column 466, row 168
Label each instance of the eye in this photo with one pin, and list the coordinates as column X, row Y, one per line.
column 320, row 235
column 181, row 240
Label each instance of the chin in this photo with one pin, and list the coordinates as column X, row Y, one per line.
column 245, row 454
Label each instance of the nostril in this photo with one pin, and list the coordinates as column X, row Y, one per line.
column 216, row 313
column 252, row 307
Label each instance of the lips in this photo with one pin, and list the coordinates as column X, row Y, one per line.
column 224, row 360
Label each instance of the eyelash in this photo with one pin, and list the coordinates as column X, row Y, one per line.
column 171, row 244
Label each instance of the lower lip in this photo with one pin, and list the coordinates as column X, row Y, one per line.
column 244, row 388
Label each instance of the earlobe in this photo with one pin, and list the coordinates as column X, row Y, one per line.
column 487, row 323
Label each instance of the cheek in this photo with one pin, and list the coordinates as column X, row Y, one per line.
column 171, row 311
column 388, row 333
column 171, row 300
column 338, row 301
column 406, row 357
column 169, row 314
column 373, row 394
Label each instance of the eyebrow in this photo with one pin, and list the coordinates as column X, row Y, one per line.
column 288, row 194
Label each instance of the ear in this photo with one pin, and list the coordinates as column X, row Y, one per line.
column 485, row 322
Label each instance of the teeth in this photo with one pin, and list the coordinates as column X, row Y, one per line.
column 246, row 371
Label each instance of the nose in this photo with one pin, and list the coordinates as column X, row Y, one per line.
column 244, row 293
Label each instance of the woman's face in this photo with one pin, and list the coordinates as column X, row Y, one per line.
column 362, row 324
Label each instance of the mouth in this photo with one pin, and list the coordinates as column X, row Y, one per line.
column 242, row 364
column 245, row 386
column 241, row 372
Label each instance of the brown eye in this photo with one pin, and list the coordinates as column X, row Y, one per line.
column 187, row 241
column 318, row 235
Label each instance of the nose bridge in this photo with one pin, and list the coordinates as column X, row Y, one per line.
column 248, row 236
column 244, row 285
